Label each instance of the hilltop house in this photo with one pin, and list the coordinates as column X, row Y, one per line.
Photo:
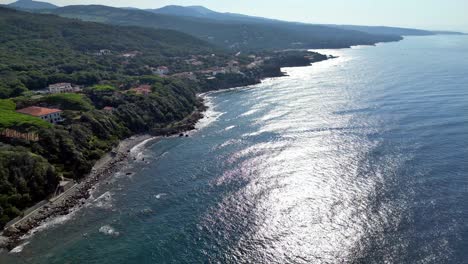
column 218, row 70
column 131, row 54
column 108, row 109
column 62, row 88
column 161, row 70
column 50, row 115
column 233, row 67
column 194, row 62
column 103, row 52
column 142, row 89
column 186, row 75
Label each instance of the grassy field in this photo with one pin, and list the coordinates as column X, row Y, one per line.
column 7, row 104
column 12, row 119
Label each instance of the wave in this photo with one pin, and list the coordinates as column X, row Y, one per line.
column 210, row 115
column 104, row 201
column 138, row 150
column 160, row 195
column 19, row 248
column 47, row 224
column 109, row 231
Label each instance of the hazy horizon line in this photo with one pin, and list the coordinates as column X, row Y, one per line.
column 453, row 28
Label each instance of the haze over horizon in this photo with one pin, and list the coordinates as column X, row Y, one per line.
column 431, row 14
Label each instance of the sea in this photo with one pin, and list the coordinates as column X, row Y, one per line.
column 358, row 159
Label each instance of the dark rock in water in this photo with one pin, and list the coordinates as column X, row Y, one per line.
column 146, row 211
column 186, row 135
column 129, row 173
column 181, row 135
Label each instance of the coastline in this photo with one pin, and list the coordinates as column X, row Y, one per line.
column 75, row 198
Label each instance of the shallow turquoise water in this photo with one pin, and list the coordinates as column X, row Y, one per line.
column 358, row 159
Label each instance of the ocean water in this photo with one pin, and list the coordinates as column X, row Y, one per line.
column 360, row 159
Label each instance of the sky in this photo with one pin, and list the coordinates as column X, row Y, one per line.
column 424, row 14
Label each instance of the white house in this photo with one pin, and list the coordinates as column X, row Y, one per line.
column 217, row 71
column 103, row 52
column 62, row 88
column 161, row 70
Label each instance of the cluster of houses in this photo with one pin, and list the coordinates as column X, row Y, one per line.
column 231, row 68
column 54, row 116
column 51, row 115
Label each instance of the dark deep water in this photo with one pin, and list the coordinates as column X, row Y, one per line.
column 360, row 159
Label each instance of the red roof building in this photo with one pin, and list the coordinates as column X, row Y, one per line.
column 50, row 115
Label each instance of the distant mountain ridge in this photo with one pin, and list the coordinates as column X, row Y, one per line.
column 31, row 5
column 233, row 18
column 203, row 12
column 230, row 34
column 387, row 30
column 229, row 30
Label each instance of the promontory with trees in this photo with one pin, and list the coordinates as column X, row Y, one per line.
column 70, row 90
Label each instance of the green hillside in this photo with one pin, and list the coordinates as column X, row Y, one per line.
column 36, row 50
column 237, row 36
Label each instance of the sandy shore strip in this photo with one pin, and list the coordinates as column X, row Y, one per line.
column 75, row 197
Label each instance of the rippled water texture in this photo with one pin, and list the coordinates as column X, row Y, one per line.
column 358, row 159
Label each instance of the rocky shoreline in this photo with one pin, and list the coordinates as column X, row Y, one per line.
column 107, row 166
column 13, row 235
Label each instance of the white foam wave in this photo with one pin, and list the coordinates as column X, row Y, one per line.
column 54, row 221
column 210, row 115
column 160, row 195
column 229, row 142
column 104, row 201
column 250, row 112
column 109, row 231
column 19, row 248
column 138, row 150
